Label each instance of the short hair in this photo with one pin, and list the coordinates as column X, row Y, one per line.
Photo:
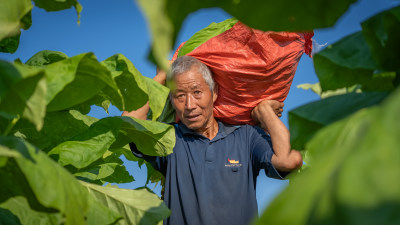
column 184, row 64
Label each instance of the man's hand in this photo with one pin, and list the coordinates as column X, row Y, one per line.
column 266, row 115
column 264, row 106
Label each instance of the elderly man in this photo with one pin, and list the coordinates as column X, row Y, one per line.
column 211, row 175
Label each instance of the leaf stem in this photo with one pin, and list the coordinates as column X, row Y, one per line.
column 11, row 125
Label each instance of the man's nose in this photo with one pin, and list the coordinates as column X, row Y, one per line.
column 190, row 103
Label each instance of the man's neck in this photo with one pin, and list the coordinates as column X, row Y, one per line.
column 210, row 130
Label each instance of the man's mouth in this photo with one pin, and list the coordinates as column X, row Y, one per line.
column 192, row 117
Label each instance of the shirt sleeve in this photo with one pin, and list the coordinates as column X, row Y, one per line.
column 157, row 162
column 262, row 151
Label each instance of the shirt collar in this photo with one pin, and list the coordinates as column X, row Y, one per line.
column 223, row 130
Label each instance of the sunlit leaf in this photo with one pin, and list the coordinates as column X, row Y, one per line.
column 152, row 138
column 16, row 211
column 58, row 127
column 58, row 191
column 75, row 80
column 351, row 179
column 11, row 17
column 134, row 88
column 135, row 206
column 24, row 95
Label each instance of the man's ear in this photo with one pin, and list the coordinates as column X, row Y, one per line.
column 215, row 94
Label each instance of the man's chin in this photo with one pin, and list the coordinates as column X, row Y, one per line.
column 193, row 126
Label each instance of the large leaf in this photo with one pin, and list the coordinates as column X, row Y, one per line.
column 16, row 211
column 24, row 93
column 166, row 16
column 352, row 177
column 75, row 80
column 306, row 120
column 152, row 138
column 57, row 5
column 135, row 89
column 109, row 168
column 10, row 44
column 136, row 206
column 349, row 62
column 47, row 186
column 382, row 33
column 40, row 179
column 11, row 17
column 89, row 146
column 58, row 127
column 46, row 57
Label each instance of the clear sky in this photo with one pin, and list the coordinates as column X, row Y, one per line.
column 111, row 27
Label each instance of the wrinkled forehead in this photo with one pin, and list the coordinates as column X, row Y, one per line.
column 189, row 80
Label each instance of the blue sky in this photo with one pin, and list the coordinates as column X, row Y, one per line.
column 111, row 27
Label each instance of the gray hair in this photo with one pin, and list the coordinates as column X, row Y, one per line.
column 184, row 64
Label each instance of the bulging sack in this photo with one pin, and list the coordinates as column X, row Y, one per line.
column 249, row 66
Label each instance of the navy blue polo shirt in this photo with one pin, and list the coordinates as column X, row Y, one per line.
column 214, row 181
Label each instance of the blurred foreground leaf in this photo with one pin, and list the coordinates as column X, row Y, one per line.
column 306, row 120
column 352, row 175
column 166, row 16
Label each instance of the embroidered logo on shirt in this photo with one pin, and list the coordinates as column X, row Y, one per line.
column 233, row 163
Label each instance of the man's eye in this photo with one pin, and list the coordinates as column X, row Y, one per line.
column 180, row 96
column 197, row 92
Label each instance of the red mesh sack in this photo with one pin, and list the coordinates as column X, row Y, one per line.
column 250, row 66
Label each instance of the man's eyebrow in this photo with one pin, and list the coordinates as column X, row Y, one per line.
column 196, row 86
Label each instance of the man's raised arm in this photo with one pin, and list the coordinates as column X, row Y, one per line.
column 266, row 114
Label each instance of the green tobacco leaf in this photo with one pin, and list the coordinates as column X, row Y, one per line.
column 57, row 5
column 87, row 147
column 168, row 113
column 46, row 57
column 58, row 127
column 12, row 15
column 306, row 120
column 316, row 88
column 107, row 169
column 75, row 80
column 134, row 88
column 152, row 138
column 382, row 33
column 349, row 62
column 40, row 179
column 135, row 206
column 166, row 16
column 351, row 179
column 158, row 95
column 153, row 175
column 47, row 186
column 16, row 211
column 24, row 95
column 10, row 44
column 205, row 34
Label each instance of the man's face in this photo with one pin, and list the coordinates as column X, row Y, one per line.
column 192, row 99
